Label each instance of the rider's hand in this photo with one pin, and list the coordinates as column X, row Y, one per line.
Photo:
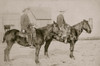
column 23, row 31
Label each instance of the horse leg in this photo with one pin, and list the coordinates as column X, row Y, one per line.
column 46, row 47
column 72, row 49
column 7, row 51
column 37, row 53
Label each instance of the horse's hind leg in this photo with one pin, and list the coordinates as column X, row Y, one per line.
column 7, row 51
column 46, row 47
column 37, row 53
column 72, row 49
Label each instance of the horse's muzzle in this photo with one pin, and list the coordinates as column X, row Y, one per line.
column 90, row 31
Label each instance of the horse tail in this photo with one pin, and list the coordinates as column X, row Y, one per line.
column 3, row 39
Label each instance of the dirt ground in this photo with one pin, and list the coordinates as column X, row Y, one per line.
column 87, row 53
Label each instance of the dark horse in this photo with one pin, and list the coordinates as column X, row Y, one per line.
column 10, row 37
column 44, row 34
column 75, row 31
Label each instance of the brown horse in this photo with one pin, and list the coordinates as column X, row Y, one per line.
column 44, row 34
column 10, row 37
column 75, row 31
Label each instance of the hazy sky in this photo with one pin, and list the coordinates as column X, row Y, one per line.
column 76, row 10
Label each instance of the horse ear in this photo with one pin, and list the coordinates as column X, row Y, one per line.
column 84, row 20
column 54, row 22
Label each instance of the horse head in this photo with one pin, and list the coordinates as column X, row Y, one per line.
column 86, row 26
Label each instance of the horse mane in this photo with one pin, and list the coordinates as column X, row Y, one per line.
column 78, row 24
column 79, row 27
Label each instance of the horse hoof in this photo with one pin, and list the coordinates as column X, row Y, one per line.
column 5, row 60
column 8, row 63
column 72, row 57
column 46, row 56
column 37, row 62
column 12, row 59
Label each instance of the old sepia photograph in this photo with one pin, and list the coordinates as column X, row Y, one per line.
column 49, row 32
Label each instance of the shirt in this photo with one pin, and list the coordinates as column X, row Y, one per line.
column 24, row 22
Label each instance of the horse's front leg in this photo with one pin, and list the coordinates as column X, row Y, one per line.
column 72, row 49
column 46, row 47
column 37, row 53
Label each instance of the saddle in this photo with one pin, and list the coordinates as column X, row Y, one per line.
column 65, row 32
column 22, row 34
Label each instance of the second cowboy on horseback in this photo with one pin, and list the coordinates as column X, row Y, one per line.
column 27, row 27
column 64, row 27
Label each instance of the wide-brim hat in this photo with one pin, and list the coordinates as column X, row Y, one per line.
column 26, row 9
column 61, row 11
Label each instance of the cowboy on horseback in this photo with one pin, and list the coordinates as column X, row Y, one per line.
column 60, row 19
column 27, row 27
column 64, row 27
